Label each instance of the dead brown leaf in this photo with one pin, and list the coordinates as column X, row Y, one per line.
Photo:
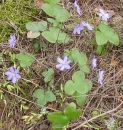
column 38, row 3
column 31, row 34
column 114, row 63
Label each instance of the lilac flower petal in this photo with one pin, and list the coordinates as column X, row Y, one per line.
column 58, row 65
column 84, row 23
column 59, row 60
column 17, row 76
column 67, row 66
column 102, row 11
column 12, row 41
column 100, row 76
column 89, row 26
column 94, row 62
column 8, row 73
column 68, row 62
column 9, row 78
column 65, row 59
column 14, row 80
column 16, row 71
column 78, row 10
column 78, row 31
column 12, row 69
column 77, row 7
column 62, row 68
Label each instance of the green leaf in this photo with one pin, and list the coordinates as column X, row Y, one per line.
column 80, row 98
column 75, row 55
column 109, row 34
column 84, row 68
column 104, row 28
column 100, row 38
column 50, row 8
column 62, row 15
column 71, row 112
column 39, row 94
column 112, row 37
column 84, row 57
column 58, row 119
column 43, row 98
column 78, row 76
column 55, row 23
column 100, row 49
column 55, row 11
column 50, row 96
column 36, row 47
column 52, row 1
column 36, row 26
column 89, row 83
column 81, row 87
column 54, row 35
column 25, row 59
column 48, row 75
column 69, row 87
column 41, row 101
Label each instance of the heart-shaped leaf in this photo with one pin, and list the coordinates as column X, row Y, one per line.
column 25, row 59
column 54, row 35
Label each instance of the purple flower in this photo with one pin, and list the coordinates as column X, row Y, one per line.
column 12, row 41
column 78, row 29
column 77, row 7
column 103, row 15
column 100, row 76
column 13, row 75
column 94, row 62
column 63, row 64
column 89, row 27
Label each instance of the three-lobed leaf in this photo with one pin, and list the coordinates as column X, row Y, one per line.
column 60, row 120
column 25, row 59
column 71, row 112
column 43, row 97
column 54, row 35
column 105, row 33
column 54, row 10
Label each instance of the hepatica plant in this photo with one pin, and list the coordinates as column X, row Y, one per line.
column 105, row 34
column 56, row 16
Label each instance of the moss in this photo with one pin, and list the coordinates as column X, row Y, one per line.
column 17, row 12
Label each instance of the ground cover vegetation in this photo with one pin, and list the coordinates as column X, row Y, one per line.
column 61, row 65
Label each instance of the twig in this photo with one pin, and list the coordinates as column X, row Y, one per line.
column 76, row 128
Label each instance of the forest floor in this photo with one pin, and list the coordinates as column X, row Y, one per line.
column 105, row 101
